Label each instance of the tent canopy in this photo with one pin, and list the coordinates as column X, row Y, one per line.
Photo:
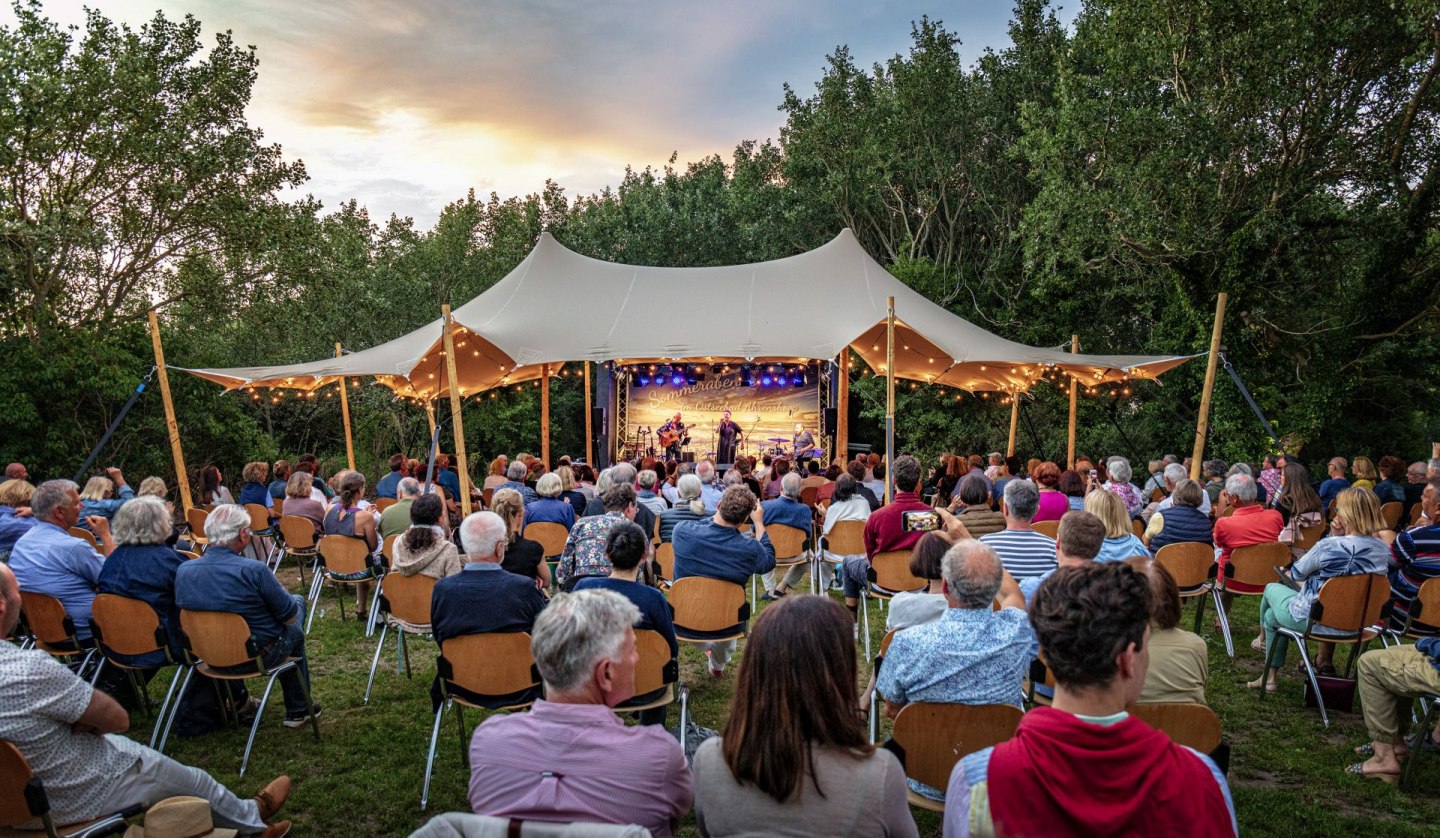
column 809, row 306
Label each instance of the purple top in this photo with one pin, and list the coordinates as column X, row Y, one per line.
column 1053, row 506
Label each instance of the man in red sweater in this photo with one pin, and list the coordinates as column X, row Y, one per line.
column 1250, row 523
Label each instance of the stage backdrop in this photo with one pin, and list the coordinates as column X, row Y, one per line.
column 761, row 412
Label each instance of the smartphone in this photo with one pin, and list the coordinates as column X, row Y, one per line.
column 1094, row 474
column 920, row 521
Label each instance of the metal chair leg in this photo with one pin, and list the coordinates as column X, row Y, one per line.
column 374, row 610
column 1314, row 682
column 99, row 668
column 313, row 600
column 684, row 713
column 1224, row 622
column 175, row 711
column 255, row 724
column 430, row 759
column 165, row 704
column 1420, row 735
column 375, row 662
column 403, row 652
column 865, row 619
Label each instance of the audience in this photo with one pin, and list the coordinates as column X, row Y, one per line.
column 388, row 486
column 143, row 568
column 212, row 488
column 1072, row 486
column 846, row 504
column 549, row 505
column 223, row 579
column 300, row 501
column 1083, row 766
column 255, row 488
column 1182, row 521
column 395, row 520
column 1051, row 504
column 647, row 495
column 1391, row 488
column 1251, row 523
column 690, row 506
column 1179, row 660
column 1120, row 540
column 1024, row 551
column 584, row 553
column 16, row 516
column 568, row 491
column 49, row 560
column 424, row 548
column 571, row 758
column 496, row 476
column 790, row 511
column 1414, row 558
column 282, row 479
column 793, row 757
column 716, row 549
column 517, row 472
column 710, row 490
column 523, row 556
column 1077, row 541
column 1389, row 681
column 1174, row 473
column 346, row 518
column 1364, row 470
column 972, row 498
column 103, row 496
column 913, row 608
column 973, row 654
column 1118, row 471
column 626, row 474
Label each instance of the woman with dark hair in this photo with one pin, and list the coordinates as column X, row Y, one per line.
column 973, row 505
column 913, row 608
column 1299, row 505
column 846, row 504
column 345, row 517
column 956, row 468
column 423, row 548
column 1391, row 488
column 794, row 757
column 212, row 490
column 1179, row 661
column 1072, row 486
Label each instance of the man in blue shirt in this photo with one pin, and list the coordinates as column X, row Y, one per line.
column 1336, row 484
column 49, row 560
column 716, row 549
column 385, row 486
column 282, row 479
column 223, row 579
column 789, row 510
column 516, row 472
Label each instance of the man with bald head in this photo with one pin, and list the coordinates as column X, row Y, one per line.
column 16, row 471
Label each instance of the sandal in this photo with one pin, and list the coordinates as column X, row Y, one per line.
column 1358, row 770
column 1270, row 687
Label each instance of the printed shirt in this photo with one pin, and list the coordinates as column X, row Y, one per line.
column 1127, row 493
column 43, row 699
column 1024, row 553
column 1343, row 555
column 968, row 656
column 584, row 553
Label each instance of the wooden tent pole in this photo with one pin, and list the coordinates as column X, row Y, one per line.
column 182, row 480
column 1074, row 391
column 457, row 419
column 545, row 415
column 842, row 408
column 589, row 423
column 345, row 415
column 1203, row 425
column 1014, row 421
column 890, row 400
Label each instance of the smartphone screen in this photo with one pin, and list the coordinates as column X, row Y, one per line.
column 920, row 521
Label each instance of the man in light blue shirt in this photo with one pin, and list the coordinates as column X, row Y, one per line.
column 49, row 560
column 710, row 489
column 1174, row 473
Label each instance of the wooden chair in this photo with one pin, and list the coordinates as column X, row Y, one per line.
column 656, row 671
column 1391, row 512
column 382, row 504
column 790, row 544
column 1425, row 604
column 127, row 627
column 1347, row 606
column 86, row 536
column 809, row 496
column 1137, row 526
column 935, row 737
column 1253, row 565
column 551, row 537
column 846, row 538
column 261, row 527
column 711, row 606
column 889, row 574
column 1050, row 528
column 23, row 799
column 485, row 666
column 54, row 631
column 345, row 561
column 407, row 599
column 665, row 559
column 297, row 536
column 873, row 690
column 1192, row 725
column 1040, row 676
column 277, row 507
column 188, row 554
column 655, row 531
column 485, row 497
column 1156, row 495
column 1309, row 535
column 1416, row 513
column 221, row 648
column 1192, row 563
column 195, row 519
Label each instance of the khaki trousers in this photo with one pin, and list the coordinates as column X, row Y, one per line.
column 1389, row 680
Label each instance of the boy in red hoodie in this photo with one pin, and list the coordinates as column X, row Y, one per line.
column 1084, row 766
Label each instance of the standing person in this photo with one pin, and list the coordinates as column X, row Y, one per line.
column 728, row 436
column 794, row 758
column 347, row 518
column 677, row 427
column 802, row 443
column 385, row 487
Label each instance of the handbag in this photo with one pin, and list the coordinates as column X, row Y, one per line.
column 1339, row 693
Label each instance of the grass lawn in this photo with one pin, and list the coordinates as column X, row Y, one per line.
column 364, row 776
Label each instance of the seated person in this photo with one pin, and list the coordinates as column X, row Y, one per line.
column 972, row 506
column 1251, row 523
column 793, row 757
column 1414, row 558
column 1173, row 474
column 1050, row 504
column 350, row 517
column 389, row 485
column 1179, row 660
column 584, row 553
column 483, row 598
column 516, row 474
column 1389, row 681
column 103, row 496
column 1182, row 521
column 789, row 510
column 846, row 504
column 856, row 470
column 523, row 557
column 223, row 579
column 395, row 520
column 424, row 549
column 1084, row 766
column 914, row 608
column 570, row 491
column 71, row 736
column 142, row 567
column 690, row 506
column 1120, row 540
column 1072, row 486
column 282, row 480
column 648, row 496
column 973, row 654
column 1024, row 551
column 627, row 547
column 299, row 500
column 716, row 549
column 710, row 488
column 571, row 758
column 16, row 517
column 49, row 560
column 256, row 487
column 1077, row 541
column 496, row 477
column 549, row 506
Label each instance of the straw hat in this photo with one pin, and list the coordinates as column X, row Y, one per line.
column 179, row 817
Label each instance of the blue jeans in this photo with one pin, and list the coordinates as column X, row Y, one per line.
column 291, row 643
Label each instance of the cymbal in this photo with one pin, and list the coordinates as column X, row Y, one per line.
column 778, row 439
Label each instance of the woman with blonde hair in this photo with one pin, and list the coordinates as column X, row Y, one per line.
column 1365, row 474
column 1120, row 541
column 299, row 500
column 101, row 497
column 256, row 485
column 15, row 517
column 1354, row 547
column 568, row 490
column 523, row 557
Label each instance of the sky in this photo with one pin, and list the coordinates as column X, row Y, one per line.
column 406, row 104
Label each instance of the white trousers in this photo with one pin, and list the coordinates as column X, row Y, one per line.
column 155, row 777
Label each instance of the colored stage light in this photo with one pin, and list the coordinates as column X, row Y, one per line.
column 678, row 379
column 644, row 381
column 766, row 380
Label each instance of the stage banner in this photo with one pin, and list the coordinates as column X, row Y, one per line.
column 763, row 413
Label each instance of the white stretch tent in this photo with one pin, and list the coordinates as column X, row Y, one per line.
column 558, row 306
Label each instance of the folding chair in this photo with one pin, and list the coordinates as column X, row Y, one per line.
column 382, row 504
column 1431, row 702
column 1137, row 526
column 1253, row 565
column 706, row 607
column 262, row 529
column 846, row 538
column 54, row 631
column 1050, row 528
column 23, row 799
column 1391, row 512
column 195, row 519
column 1192, row 725
column 655, row 671
column 297, row 538
column 277, row 507
column 1425, row 603
column 1156, row 495
column 345, row 561
column 1346, row 608
column 936, row 736
column 790, row 544
column 551, row 537
column 86, row 536
column 1192, row 563
column 889, row 574
column 219, row 639
column 407, row 599
column 387, row 550
column 665, row 559
column 487, row 666
column 130, row 627
column 809, row 495
column 1309, row 535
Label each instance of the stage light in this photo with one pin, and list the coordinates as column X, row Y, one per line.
column 644, row 380
column 766, row 380
column 800, row 380
column 678, row 379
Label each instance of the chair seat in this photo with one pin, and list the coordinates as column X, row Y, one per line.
column 667, row 697
column 247, row 673
column 66, row 829
column 920, row 801
column 506, row 708
column 679, row 635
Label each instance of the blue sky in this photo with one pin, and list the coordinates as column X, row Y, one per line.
column 405, row 105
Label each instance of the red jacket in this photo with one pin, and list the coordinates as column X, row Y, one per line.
column 884, row 530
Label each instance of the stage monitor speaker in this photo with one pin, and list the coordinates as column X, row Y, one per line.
column 832, row 419
column 858, row 448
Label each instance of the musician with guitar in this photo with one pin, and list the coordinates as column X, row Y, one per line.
column 672, row 437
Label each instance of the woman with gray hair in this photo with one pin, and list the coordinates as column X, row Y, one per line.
column 551, row 507
column 1118, row 469
column 143, row 567
column 690, row 507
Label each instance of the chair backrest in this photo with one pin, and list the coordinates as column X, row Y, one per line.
column 1255, row 564
column 788, row 541
column 1190, row 562
column 1192, row 725
column 490, row 664
column 343, row 554
column 298, row 532
column 277, row 507
column 125, row 625
column 703, row 604
column 195, row 517
column 892, row 571
column 654, row 670
column 409, row 597
column 49, row 624
column 846, row 538
column 382, row 504
column 809, row 494
column 20, row 793
column 486, row 496
column 1227, row 512
column 1157, row 495
column 1137, row 526
column 1351, row 603
column 1425, row 608
column 1416, row 513
column 387, row 548
column 665, row 557
column 1050, row 528
column 259, row 516
column 1308, row 535
column 188, row 554
column 550, row 536
column 936, row 736
column 86, row 536
column 1391, row 512
column 218, row 638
